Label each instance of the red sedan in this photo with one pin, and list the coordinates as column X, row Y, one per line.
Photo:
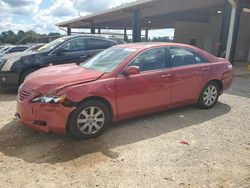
column 121, row 82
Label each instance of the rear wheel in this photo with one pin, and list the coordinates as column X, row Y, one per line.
column 209, row 96
column 89, row 120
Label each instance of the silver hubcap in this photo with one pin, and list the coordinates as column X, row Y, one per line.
column 210, row 95
column 90, row 120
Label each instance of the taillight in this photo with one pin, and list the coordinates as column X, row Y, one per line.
column 228, row 72
column 230, row 66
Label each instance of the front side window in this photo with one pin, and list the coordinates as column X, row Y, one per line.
column 74, row 45
column 95, row 44
column 184, row 56
column 152, row 59
column 109, row 59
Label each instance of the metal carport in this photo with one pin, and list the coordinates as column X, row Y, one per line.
column 158, row 14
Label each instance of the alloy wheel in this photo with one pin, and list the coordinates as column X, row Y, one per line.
column 90, row 120
column 210, row 95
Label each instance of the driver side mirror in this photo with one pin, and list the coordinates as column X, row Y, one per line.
column 60, row 51
column 132, row 70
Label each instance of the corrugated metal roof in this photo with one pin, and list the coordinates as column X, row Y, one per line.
column 117, row 8
column 155, row 14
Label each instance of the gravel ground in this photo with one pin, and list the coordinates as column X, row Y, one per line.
column 143, row 152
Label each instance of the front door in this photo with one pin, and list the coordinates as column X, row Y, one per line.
column 74, row 51
column 151, row 88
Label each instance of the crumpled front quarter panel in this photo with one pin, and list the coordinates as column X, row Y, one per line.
column 104, row 88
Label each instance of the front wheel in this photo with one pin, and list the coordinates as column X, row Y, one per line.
column 89, row 120
column 209, row 96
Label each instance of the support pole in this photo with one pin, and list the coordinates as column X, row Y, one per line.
column 233, row 30
column 99, row 31
column 125, row 35
column 224, row 29
column 68, row 31
column 137, row 26
column 92, row 28
column 236, row 31
column 146, row 34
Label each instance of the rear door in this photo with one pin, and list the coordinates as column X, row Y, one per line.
column 189, row 74
column 141, row 93
column 96, row 45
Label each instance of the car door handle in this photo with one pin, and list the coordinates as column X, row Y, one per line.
column 84, row 57
column 205, row 68
column 166, row 75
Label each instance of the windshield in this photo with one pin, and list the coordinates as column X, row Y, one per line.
column 109, row 59
column 35, row 48
column 51, row 45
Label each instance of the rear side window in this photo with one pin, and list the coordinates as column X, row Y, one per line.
column 95, row 44
column 184, row 56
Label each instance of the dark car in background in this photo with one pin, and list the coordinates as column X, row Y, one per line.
column 68, row 49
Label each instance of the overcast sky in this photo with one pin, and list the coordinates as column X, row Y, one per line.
column 42, row 15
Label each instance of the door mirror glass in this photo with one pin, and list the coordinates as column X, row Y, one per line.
column 131, row 70
column 61, row 51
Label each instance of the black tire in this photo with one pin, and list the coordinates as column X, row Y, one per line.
column 25, row 74
column 203, row 101
column 77, row 115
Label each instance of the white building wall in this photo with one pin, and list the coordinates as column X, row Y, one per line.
column 206, row 34
column 243, row 44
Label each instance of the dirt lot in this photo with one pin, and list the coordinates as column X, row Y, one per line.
column 143, row 152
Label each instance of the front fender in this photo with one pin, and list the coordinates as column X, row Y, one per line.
column 102, row 88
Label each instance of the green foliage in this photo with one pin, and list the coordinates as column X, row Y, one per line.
column 21, row 37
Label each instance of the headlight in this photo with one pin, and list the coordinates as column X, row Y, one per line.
column 50, row 99
column 2, row 62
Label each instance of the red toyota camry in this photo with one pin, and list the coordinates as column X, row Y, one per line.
column 121, row 82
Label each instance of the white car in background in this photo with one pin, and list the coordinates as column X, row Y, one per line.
column 12, row 57
column 16, row 54
column 4, row 48
column 12, row 49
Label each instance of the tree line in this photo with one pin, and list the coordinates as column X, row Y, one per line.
column 22, row 37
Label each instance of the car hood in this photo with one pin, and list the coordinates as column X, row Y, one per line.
column 18, row 54
column 14, row 57
column 53, row 78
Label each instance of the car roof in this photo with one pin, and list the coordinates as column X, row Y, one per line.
column 145, row 45
column 108, row 37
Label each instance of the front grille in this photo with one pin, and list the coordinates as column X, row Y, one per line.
column 23, row 94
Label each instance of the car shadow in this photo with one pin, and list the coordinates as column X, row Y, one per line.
column 240, row 86
column 7, row 95
column 33, row 147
